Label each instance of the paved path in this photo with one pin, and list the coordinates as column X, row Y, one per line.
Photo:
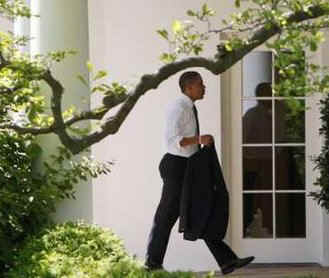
column 280, row 271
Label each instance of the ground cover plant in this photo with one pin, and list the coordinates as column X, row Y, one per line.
column 68, row 250
column 80, row 250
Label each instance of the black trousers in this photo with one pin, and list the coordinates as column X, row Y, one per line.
column 172, row 170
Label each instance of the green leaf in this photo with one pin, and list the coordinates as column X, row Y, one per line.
column 163, row 33
column 197, row 49
column 237, row 3
column 100, row 74
column 191, row 13
column 83, row 80
column 90, row 66
column 98, row 89
column 228, row 47
column 168, row 58
column 211, row 12
column 205, row 8
column 206, row 11
column 34, row 150
column 177, row 26
column 313, row 45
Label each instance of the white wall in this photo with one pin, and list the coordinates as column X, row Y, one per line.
column 123, row 41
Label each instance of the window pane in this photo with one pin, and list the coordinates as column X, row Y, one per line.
column 290, row 168
column 257, row 121
column 290, row 215
column 257, row 168
column 257, row 215
column 290, row 121
column 257, row 68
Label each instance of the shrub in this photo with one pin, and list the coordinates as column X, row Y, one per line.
column 27, row 198
column 78, row 250
column 131, row 269
column 68, row 250
column 19, row 210
column 322, row 160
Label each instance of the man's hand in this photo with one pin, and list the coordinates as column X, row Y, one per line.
column 206, row 139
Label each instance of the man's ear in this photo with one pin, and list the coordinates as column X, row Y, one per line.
column 187, row 91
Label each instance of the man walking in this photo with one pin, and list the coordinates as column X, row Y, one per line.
column 182, row 140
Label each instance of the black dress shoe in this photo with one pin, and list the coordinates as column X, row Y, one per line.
column 228, row 269
column 235, row 264
column 243, row 261
column 153, row 267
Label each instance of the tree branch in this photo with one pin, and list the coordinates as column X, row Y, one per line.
column 27, row 130
column 220, row 63
column 58, row 126
column 216, row 66
column 98, row 113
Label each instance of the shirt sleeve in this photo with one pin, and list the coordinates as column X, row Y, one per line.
column 176, row 119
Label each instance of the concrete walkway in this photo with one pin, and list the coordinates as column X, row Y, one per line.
column 280, row 271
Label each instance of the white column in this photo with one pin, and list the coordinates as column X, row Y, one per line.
column 63, row 25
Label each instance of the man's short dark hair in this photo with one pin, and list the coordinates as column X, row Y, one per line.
column 186, row 78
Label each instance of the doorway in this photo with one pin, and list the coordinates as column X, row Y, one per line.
column 267, row 144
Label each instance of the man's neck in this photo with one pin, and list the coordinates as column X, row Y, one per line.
column 189, row 97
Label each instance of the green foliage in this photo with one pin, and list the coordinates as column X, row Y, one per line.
column 322, row 161
column 185, row 39
column 18, row 80
column 234, row 43
column 114, row 88
column 132, row 269
column 203, row 14
column 82, row 251
column 68, row 250
column 26, row 197
column 17, row 190
column 14, row 8
column 55, row 56
column 21, row 79
column 237, row 3
column 168, row 58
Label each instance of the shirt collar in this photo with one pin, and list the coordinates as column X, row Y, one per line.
column 187, row 100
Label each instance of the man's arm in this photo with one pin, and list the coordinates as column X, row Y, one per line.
column 202, row 140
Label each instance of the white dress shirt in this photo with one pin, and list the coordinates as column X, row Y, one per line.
column 180, row 123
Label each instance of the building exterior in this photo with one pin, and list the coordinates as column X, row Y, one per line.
column 268, row 173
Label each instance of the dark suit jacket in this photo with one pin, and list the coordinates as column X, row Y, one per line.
column 204, row 201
